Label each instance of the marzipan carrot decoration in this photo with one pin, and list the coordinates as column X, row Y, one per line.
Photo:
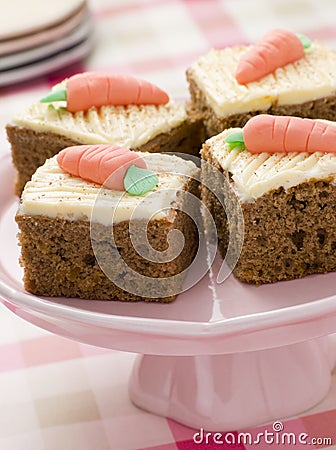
column 284, row 134
column 114, row 167
column 276, row 49
column 88, row 89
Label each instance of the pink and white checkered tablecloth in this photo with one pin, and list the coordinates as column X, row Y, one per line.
column 56, row 394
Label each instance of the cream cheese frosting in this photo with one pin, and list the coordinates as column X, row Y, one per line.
column 257, row 174
column 54, row 193
column 307, row 79
column 130, row 126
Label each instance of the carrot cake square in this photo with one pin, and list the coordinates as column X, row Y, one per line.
column 42, row 130
column 305, row 87
column 280, row 187
column 81, row 239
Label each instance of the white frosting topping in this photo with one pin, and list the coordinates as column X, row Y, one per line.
column 257, row 174
column 130, row 126
column 307, row 79
column 54, row 193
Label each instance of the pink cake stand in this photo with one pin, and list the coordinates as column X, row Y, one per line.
column 220, row 357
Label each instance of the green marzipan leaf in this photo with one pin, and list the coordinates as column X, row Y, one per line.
column 54, row 96
column 139, row 181
column 306, row 42
column 235, row 141
column 237, row 136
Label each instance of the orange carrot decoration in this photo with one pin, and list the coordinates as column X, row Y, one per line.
column 116, row 168
column 276, row 49
column 88, row 89
column 284, row 134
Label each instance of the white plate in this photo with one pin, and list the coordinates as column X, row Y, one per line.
column 22, row 18
column 44, row 35
column 34, row 54
column 44, row 66
column 237, row 318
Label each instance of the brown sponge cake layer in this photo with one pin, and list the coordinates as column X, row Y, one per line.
column 30, row 148
column 59, row 260
column 288, row 234
column 316, row 109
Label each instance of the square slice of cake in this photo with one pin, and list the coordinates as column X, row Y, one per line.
column 304, row 88
column 80, row 239
column 287, row 204
column 44, row 129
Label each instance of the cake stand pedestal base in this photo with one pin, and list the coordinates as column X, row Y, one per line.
column 234, row 391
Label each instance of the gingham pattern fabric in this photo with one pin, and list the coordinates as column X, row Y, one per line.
column 56, row 394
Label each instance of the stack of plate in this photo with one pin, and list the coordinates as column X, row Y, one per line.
column 38, row 37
